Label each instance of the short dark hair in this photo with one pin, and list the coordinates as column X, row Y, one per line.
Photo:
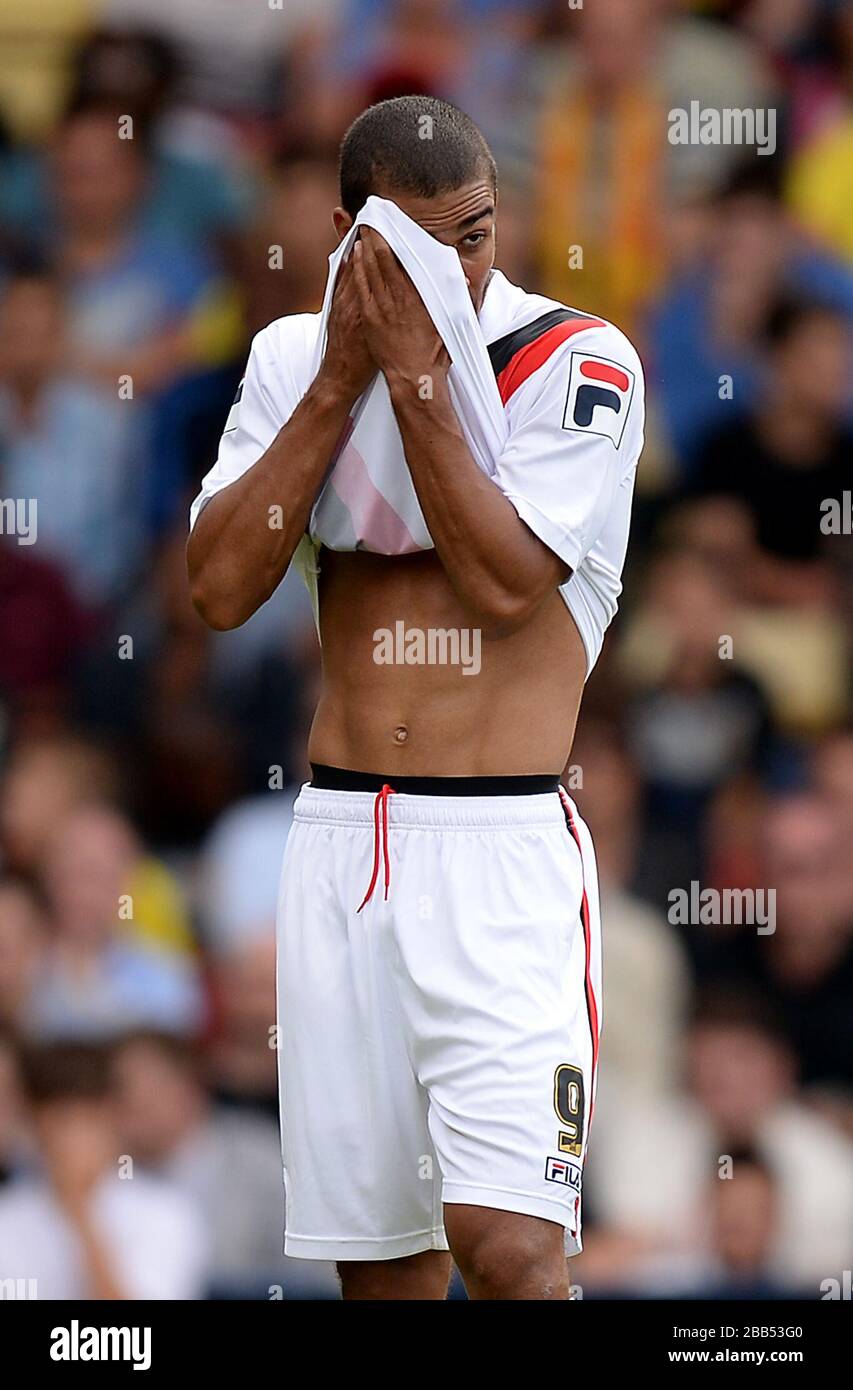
column 183, row 1054
column 88, row 106
column 388, row 142
column 787, row 314
column 720, row 1005
column 65, row 1071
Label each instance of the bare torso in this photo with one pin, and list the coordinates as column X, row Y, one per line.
column 515, row 715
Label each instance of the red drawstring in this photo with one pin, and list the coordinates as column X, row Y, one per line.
column 380, row 805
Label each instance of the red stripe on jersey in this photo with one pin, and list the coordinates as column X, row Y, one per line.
column 600, row 371
column 528, row 359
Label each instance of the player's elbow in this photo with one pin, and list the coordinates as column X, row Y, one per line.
column 218, row 604
column 505, row 603
column 216, row 611
column 504, row 612
column 506, row 607
column 216, row 593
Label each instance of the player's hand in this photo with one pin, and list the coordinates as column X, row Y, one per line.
column 347, row 365
column 399, row 332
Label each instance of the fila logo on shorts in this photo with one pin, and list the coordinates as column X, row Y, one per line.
column 599, row 396
column 560, row 1170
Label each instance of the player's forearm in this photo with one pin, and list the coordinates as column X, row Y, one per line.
column 244, row 539
column 498, row 568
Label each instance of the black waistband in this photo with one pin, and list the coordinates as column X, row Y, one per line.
column 341, row 779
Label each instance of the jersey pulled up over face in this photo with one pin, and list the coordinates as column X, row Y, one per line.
column 572, row 389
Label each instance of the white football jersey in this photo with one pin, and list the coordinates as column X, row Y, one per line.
column 572, row 390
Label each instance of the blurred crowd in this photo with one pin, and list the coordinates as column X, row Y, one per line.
column 167, row 174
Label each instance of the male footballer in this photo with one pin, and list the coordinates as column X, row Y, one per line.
column 439, row 961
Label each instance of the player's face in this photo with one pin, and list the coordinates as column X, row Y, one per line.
column 463, row 218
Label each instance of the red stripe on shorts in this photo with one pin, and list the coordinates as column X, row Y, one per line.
column 591, row 1005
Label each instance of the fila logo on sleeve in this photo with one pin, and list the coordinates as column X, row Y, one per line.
column 599, row 396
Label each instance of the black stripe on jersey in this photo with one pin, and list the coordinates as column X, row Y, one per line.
column 504, row 349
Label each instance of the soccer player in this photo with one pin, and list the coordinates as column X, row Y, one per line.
column 439, row 956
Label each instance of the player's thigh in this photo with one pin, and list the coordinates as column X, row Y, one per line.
column 359, row 1168
column 502, row 1011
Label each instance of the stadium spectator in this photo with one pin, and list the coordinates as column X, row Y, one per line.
column 783, row 458
column 198, row 192
column 805, row 968
column 45, row 777
column 42, row 632
column 131, row 295
column 742, row 1228
column 70, row 444
column 744, row 1221
column 80, row 1227
column 97, row 979
column 48, row 778
column 167, row 1121
column 283, row 266
column 232, row 55
column 740, row 1091
column 705, row 330
column 695, row 718
column 604, row 126
column 242, row 1051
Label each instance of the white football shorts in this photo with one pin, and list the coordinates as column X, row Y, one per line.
column 440, row 1044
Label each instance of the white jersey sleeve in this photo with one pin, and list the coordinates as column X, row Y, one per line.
column 275, row 381
column 575, row 433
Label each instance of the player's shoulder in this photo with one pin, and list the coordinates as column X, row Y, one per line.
column 532, row 341
column 593, row 381
column 597, row 352
column 281, row 360
column 285, row 336
column 603, row 334
column 603, row 369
